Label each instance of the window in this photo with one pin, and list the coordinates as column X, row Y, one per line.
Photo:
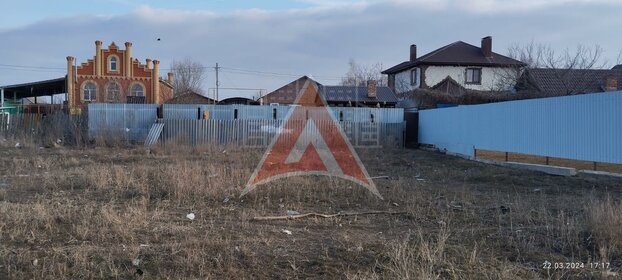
column 113, row 64
column 474, row 76
column 414, row 77
column 137, row 90
column 90, row 91
column 114, row 92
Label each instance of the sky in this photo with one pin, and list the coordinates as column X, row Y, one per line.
column 266, row 44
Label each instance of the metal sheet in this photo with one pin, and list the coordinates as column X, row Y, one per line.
column 249, row 112
column 582, row 127
column 121, row 121
column 154, row 134
column 259, row 133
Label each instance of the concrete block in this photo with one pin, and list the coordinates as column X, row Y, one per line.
column 602, row 173
column 553, row 170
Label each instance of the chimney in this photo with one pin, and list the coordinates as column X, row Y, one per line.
column 148, row 63
column 170, row 77
column 487, row 46
column 155, row 77
column 413, row 52
column 371, row 89
column 70, row 81
column 128, row 59
column 98, row 58
column 611, row 84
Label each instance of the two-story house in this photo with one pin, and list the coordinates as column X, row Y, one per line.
column 457, row 68
column 114, row 76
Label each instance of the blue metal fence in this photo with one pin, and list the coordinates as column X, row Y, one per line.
column 121, row 121
column 582, row 127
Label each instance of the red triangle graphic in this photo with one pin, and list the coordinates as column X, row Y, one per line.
column 310, row 143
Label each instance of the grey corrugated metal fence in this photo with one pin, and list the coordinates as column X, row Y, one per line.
column 121, row 121
column 259, row 133
column 248, row 112
column 583, row 127
column 236, row 124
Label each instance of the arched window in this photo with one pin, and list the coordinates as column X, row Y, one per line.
column 137, row 90
column 113, row 63
column 90, row 91
column 113, row 92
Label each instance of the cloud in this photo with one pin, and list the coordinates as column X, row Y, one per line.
column 316, row 41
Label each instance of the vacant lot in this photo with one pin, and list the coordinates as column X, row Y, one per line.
column 121, row 213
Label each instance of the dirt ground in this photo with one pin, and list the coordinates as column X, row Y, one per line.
column 120, row 213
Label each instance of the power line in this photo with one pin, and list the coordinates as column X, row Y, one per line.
column 217, row 83
column 32, row 67
column 207, row 68
column 31, row 70
column 241, row 71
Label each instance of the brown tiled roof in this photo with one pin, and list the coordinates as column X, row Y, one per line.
column 555, row 82
column 450, row 86
column 287, row 93
column 190, row 97
column 332, row 94
column 459, row 54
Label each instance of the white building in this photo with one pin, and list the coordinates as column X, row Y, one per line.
column 458, row 67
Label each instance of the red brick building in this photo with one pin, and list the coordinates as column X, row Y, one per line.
column 113, row 76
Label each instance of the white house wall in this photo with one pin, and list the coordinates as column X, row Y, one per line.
column 492, row 77
column 402, row 82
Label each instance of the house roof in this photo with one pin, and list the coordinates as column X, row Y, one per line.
column 40, row 88
column 356, row 94
column 238, row 100
column 190, row 97
column 554, row 82
column 457, row 53
column 332, row 94
column 450, row 86
column 287, row 93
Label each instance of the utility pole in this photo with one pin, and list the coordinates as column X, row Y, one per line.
column 217, row 83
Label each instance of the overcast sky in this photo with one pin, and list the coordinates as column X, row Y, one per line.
column 266, row 44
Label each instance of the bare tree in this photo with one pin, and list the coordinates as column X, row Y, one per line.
column 188, row 76
column 359, row 74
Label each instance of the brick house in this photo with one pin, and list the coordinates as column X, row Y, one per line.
column 190, row 97
column 337, row 96
column 113, row 76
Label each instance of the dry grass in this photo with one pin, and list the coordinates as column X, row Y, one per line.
column 605, row 222
column 89, row 213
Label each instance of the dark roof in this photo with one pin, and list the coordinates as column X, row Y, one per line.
column 332, row 94
column 450, row 86
column 457, row 53
column 40, row 88
column 238, row 100
column 555, row 82
column 356, row 94
column 190, row 97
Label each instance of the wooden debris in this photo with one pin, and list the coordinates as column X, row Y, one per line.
column 308, row 215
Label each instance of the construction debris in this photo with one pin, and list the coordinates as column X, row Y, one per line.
column 307, row 215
